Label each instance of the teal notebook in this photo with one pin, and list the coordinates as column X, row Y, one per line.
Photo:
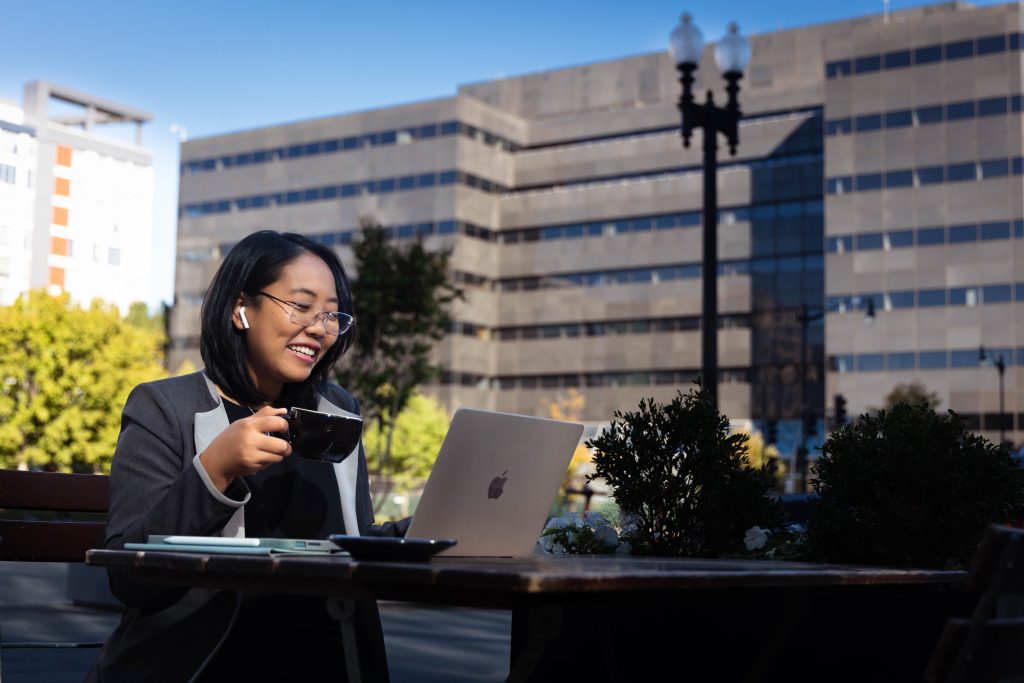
column 237, row 546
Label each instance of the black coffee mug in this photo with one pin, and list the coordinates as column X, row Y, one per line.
column 322, row 436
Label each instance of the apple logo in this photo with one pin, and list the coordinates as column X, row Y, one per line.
column 497, row 486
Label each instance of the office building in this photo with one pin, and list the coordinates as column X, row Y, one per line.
column 879, row 158
column 76, row 204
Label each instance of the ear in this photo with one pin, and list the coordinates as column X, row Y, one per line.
column 238, row 318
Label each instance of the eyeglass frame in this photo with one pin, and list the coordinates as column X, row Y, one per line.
column 322, row 316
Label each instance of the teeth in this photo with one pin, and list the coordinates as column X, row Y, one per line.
column 305, row 350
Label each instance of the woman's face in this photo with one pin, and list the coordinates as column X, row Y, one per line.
column 278, row 350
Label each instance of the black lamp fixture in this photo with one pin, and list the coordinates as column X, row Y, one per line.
column 732, row 54
column 998, row 361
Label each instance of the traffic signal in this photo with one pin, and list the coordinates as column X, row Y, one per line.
column 771, row 429
column 810, row 424
column 839, row 409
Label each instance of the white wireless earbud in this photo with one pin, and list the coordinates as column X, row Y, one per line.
column 241, row 314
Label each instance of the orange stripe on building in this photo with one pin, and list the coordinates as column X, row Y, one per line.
column 63, row 155
column 57, row 277
column 60, row 215
column 60, row 246
column 62, row 187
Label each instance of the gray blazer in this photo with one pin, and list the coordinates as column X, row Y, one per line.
column 158, row 487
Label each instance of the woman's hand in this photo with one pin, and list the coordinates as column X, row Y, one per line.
column 246, row 447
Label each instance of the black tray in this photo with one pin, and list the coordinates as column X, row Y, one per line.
column 391, row 549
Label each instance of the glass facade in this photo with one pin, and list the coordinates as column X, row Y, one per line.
column 787, row 277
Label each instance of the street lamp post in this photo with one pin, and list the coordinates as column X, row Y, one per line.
column 999, row 362
column 732, row 54
column 808, row 417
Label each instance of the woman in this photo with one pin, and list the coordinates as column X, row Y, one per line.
column 195, row 456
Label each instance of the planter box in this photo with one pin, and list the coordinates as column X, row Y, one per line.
column 845, row 633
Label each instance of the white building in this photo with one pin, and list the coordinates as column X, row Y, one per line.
column 76, row 207
column 17, row 200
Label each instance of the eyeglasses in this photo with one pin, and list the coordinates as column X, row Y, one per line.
column 335, row 322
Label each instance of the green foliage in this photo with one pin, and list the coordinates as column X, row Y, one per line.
column 401, row 296
column 419, row 433
column 910, row 487
column 915, row 393
column 681, row 479
column 138, row 315
column 66, row 373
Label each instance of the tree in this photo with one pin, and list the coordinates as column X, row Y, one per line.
column 401, row 296
column 909, row 487
column 419, row 432
column 138, row 315
column 761, row 455
column 681, row 479
column 66, row 373
column 915, row 393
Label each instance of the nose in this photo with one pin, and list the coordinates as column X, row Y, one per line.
column 319, row 326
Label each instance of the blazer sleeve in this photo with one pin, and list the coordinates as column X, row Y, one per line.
column 154, row 487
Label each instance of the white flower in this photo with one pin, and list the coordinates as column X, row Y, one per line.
column 624, row 549
column 770, row 554
column 755, row 538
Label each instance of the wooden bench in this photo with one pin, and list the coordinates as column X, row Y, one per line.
column 990, row 645
column 36, row 524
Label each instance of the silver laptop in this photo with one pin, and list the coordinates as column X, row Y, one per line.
column 493, row 483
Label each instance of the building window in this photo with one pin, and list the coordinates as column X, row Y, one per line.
column 5, row 267
column 114, row 256
column 932, row 360
column 899, row 119
column 8, row 174
column 927, row 55
column 897, row 60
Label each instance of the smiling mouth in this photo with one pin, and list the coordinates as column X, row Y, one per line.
column 303, row 351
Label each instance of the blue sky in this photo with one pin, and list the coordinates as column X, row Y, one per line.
column 215, row 66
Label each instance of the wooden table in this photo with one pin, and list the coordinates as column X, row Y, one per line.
column 611, row 618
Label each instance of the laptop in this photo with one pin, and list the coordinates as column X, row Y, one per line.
column 492, row 485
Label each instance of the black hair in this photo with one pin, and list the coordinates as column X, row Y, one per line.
column 252, row 264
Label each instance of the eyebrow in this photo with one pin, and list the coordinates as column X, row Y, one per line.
column 310, row 292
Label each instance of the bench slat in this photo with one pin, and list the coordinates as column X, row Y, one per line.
column 30, row 541
column 54, row 491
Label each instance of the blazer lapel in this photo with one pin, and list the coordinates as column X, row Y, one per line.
column 210, row 424
column 208, row 427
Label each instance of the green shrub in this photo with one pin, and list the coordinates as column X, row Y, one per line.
column 910, row 487
column 681, row 479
